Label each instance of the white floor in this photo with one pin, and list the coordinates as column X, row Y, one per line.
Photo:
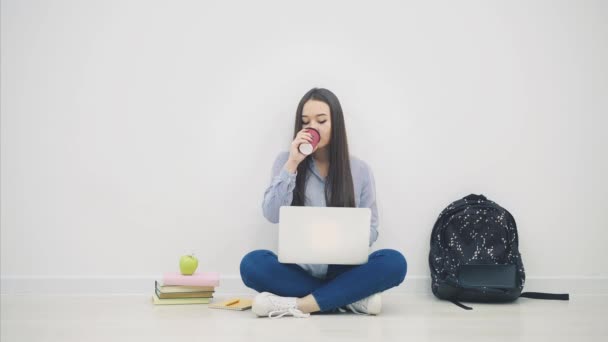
column 404, row 318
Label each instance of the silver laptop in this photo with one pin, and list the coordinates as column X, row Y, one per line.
column 324, row 235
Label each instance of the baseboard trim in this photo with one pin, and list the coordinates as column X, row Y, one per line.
column 229, row 284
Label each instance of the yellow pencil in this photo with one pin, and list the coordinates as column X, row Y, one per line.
column 232, row 302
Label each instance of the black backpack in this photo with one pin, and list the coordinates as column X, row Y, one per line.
column 475, row 256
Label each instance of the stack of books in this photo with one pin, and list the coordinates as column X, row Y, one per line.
column 176, row 288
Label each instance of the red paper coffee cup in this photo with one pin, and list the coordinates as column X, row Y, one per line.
column 307, row 148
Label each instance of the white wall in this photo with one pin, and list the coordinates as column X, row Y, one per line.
column 133, row 132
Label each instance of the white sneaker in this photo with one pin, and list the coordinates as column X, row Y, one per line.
column 267, row 304
column 371, row 305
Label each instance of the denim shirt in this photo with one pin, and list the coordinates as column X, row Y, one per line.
column 280, row 193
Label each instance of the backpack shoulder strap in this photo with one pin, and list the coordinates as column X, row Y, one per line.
column 459, row 304
column 542, row 295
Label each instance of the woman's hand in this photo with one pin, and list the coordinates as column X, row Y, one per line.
column 295, row 156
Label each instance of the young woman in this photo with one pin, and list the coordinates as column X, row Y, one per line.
column 328, row 177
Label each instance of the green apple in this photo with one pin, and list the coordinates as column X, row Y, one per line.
column 188, row 264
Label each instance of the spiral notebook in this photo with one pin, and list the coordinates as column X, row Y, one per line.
column 239, row 304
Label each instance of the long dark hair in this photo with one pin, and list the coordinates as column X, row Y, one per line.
column 339, row 191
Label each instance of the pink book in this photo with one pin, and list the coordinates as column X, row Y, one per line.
column 197, row 279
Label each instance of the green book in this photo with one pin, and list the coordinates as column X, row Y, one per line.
column 164, row 301
column 181, row 289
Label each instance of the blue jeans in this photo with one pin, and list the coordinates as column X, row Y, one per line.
column 344, row 284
